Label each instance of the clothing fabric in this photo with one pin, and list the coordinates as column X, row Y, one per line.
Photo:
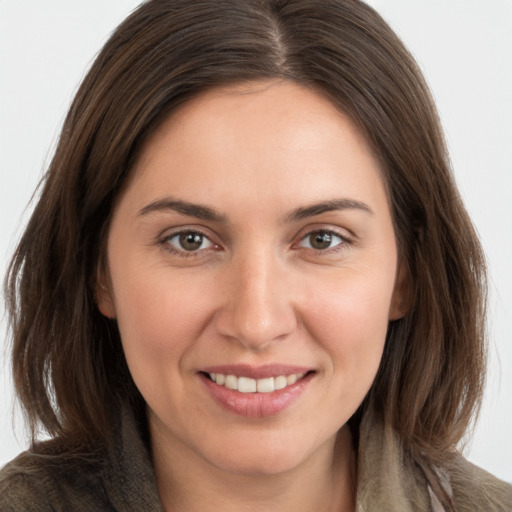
column 50, row 479
column 389, row 480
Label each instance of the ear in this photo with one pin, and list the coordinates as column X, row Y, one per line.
column 401, row 301
column 104, row 296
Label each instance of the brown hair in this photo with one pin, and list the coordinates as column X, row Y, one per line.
column 69, row 368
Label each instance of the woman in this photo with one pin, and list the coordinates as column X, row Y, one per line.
column 252, row 282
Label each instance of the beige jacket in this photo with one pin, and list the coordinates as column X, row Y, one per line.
column 388, row 480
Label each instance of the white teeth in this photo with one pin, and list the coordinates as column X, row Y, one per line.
column 248, row 385
column 266, row 385
column 231, row 382
column 280, row 382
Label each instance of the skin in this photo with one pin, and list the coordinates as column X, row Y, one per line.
column 256, row 291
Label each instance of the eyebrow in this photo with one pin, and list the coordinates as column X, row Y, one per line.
column 326, row 206
column 185, row 208
column 208, row 213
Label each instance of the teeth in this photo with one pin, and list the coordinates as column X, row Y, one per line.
column 247, row 385
column 265, row 385
column 231, row 382
column 291, row 379
column 280, row 382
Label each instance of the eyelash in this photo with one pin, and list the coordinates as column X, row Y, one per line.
column 183, row 253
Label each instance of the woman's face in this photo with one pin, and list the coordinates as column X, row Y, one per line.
column 253, row 248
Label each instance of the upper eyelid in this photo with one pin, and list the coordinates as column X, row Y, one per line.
column 171, row 232
column 187, row 231
column 328, row 231
column 343, row 233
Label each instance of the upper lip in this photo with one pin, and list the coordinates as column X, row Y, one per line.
column 256, row 372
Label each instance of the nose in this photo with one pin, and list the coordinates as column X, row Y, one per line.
column 258, row 305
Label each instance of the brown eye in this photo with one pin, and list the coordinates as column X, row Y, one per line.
column 322, row 240
column 189, row 241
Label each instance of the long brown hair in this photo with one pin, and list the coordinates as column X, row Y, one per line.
column 68, row 364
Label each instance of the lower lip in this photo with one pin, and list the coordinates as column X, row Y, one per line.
column 256, row 405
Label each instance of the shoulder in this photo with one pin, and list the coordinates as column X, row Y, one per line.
column 475, row 489
column 20, row 491
column 48, row 478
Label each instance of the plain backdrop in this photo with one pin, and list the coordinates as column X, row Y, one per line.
column 465, row 50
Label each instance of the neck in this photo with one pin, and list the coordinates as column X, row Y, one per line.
column 323, row 481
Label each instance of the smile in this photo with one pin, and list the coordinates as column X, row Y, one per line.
column 256, row 392
column 248, row 385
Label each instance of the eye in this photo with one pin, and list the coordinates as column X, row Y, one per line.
column 188, row 241
column 321, row 240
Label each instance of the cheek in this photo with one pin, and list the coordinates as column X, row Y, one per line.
column 158, row 320
column 350, row 323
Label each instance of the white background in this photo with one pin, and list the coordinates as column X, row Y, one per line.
column 463, row 46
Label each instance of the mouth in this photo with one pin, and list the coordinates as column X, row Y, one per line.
column 260, row 392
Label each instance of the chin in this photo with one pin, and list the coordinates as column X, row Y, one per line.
column 260, row 465
column 267, row 457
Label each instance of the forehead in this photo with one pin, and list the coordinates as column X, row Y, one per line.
column 275, row 138
column 274, row 110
